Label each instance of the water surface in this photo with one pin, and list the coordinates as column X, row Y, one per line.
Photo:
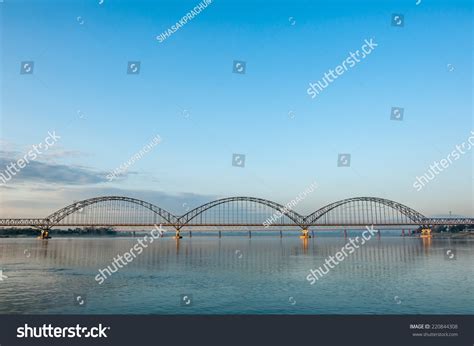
column 237, row 275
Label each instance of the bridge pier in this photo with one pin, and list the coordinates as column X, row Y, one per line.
column 305, row 234
column 44, row 234
column 426, row 233
column 220, row 234
column 281, row 234
column 345, row 233
column 190, row 234
column 250, row 234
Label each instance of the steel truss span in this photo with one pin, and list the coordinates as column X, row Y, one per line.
column 235, row 212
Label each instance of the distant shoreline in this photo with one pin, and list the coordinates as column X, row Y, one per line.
column 32, row 233
column 458, row 235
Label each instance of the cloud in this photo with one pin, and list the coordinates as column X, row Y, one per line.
column 5, row 187
column 56, row 153
column 51, row 173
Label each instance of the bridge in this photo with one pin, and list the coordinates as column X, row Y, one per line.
column 116, row 211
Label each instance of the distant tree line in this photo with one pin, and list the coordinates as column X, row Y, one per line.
column 106, row 231
column 450, row 229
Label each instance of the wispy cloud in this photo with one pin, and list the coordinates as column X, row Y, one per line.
column 53, row 173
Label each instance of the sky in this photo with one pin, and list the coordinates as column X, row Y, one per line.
column 188, row 94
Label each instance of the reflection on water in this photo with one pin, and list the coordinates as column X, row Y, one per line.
column 237, row 275
column 426, row 242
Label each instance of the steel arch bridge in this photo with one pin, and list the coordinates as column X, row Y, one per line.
column 367, row 210
column 110, row 211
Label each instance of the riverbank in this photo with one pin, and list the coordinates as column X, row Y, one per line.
column 458, row 235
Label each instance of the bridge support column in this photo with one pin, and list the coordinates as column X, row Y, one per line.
column 190, row 234
column 305, row 234
column 281, row 234
column 345, row 233
column 178, row 235
column 220, row 234
column 44, row 234
column 425, row 233
column 403, row 232
column 250, row 234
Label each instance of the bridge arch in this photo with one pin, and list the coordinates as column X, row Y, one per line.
column 377, row 211
column 296, row 218
column 77, row 207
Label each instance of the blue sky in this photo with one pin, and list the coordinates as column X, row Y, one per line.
column 80, row 69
